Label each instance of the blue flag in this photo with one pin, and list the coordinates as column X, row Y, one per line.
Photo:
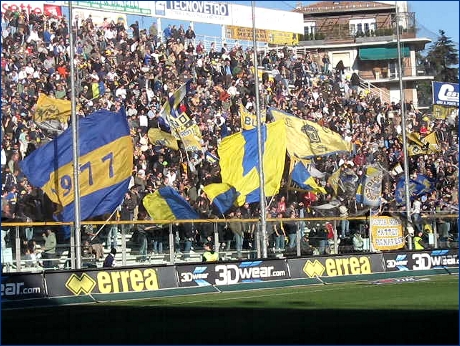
column 105, row 160
column 417, row 187
column 167, row 204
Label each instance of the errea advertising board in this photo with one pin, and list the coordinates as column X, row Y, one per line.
column 110, row 280
column 335, row 266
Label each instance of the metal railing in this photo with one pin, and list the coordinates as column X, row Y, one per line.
column 170, row 242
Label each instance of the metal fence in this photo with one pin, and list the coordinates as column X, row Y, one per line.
column 169, row 242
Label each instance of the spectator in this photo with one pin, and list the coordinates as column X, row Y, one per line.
column 49, row 249
column 109, row 260
column 209, row 254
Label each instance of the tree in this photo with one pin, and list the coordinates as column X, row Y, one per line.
column 441, row 56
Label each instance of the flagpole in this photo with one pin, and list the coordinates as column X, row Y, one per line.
column 75, row 148
column 263, row 215
column 403, row 120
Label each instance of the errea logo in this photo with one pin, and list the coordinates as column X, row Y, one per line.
column 313, row 269
column 77, row 284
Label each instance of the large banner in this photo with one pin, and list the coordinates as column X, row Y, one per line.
column 445, row 94
column 232, row 273
column 20, row 286
column 110, row 280
column 386, row 233
column 335, row 266
column 420, row 260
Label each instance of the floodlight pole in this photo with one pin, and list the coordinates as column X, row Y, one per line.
column 404, row 135
column 75, row 148
column 263, row 216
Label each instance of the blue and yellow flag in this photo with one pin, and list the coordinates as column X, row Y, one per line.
column 306, row 139
column 302, row 177
column 106, row 162
column 239, row 161
column 222, row 195
column 372, row 186
column 168, row 111
column 417, row 187
column 48, row 108
column 167, row 204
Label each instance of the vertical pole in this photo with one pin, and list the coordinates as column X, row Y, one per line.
column 76, row 151
column 17, row 244
column 171, row 244
column 263, row 215
column 404, row 135
column 123, row 244
column 298, row 238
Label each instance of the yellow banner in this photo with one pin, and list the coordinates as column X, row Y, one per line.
column 248, row 119
column 386, row 233
column 442, row 112
column 282, row 37
column 241, row 33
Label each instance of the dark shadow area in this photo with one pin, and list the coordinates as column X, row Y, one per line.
column 100, row 324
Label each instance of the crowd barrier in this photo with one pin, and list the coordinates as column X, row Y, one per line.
column 149, row 279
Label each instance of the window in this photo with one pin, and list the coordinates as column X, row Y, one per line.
column 362, row 26
column 309, row 28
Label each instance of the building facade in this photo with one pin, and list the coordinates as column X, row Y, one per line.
column 363, row 35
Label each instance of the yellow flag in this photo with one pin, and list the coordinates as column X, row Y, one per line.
column 48, row 108
column 306, row 139
column 158, row 137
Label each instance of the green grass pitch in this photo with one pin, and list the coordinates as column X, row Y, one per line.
column 420, row 312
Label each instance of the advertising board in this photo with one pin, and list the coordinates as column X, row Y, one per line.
column 445, row 94
column 232, row 273
column 110, row 280
column 420, row 260
column 20, row 286
column 335, row 266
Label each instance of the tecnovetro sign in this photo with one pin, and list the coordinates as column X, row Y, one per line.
column 445, row 94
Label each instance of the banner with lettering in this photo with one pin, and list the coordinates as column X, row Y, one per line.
column 386, row 233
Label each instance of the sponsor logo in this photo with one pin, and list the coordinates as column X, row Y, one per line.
column 18, row 289
column 338, row 266
column 435, row 259
column 313, row 269
column 250, row 271
column 398, row 280
column 135, row 280
column 399, row 262
column 198, row 275
column 447, row 93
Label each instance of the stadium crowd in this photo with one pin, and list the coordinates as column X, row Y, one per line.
column 137, row 68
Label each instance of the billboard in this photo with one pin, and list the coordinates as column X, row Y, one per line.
column 223, row 13
column 445, row 94
column 335, row 266
column 231, row 273
column 20, row 286
column 420, row 260
column 37, row 7
column 241, row 33
column 110, row 280
column 386, row 233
